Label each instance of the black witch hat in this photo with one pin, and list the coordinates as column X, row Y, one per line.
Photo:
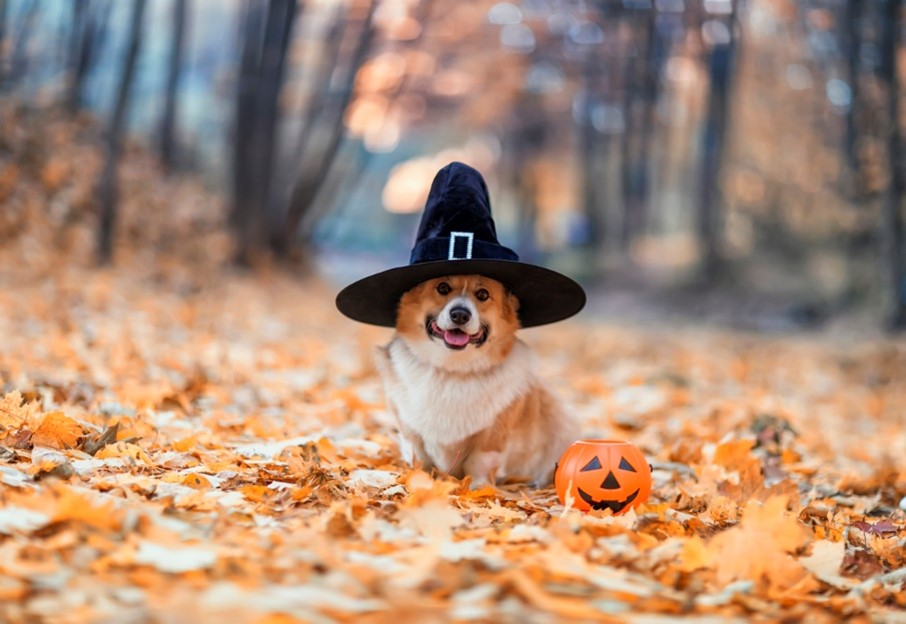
column 457, row 236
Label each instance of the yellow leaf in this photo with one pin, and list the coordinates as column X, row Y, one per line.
column 57, row 430
column 759, row 547
column 13, row 414
column 694, row 555
column 125, row 450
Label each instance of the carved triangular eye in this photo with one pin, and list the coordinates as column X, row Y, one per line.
column 625, row 465
column 594, row 464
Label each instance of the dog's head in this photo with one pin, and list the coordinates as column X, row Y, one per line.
column 460, row 322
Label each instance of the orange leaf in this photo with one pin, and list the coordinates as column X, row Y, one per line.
column 185, row 444
column 73, row 506
column 124, row 450
column 734, row 453
column 759, row 547
column 57, row 430
column 301, row 493
column 694, row 555
column 484, row 492
column 197, row 481
column 256, row 493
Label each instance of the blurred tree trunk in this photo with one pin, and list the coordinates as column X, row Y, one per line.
column 312, row 175
column 277, row 35
column 720, row 73
column 4, row 10
column 90, row 34
column 18, row 63
column 341, row 184
column 266, row 35
column 851, row 44
column 892, row 235
column 76, row 34
column 524, row 139
column 243, row 217
column 108, row 193
column 640, row 108
column 168, row 122
column 592, row 203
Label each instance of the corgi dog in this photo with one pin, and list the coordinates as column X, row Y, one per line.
column 463, row 388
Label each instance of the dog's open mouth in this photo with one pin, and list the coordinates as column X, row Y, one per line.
column 456, row 338
column 614, row 506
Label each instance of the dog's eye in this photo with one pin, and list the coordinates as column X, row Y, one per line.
column 443, row 288
column 482, row 294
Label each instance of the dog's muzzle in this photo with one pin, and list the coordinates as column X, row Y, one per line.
column 456, row 338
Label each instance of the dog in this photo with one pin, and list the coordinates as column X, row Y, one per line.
column 463, row 388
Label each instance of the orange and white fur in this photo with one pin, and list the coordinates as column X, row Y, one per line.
column 463, row 386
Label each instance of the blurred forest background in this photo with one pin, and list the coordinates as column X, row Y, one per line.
column 743, row 155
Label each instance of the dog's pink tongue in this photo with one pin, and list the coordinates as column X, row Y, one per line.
column 456, row 337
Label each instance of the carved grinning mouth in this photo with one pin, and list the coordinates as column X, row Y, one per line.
column 614, row 506
column 456, row 339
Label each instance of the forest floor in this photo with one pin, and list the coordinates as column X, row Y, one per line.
column 184, row 443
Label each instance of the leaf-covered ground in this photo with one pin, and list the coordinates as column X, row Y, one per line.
column 181, row 443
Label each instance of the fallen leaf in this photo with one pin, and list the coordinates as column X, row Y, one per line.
column 124, row 450
column 73, row 506
column 734, row 454
column 13, row 411
column 825, row 563
column 759, row 547
column 882, row 527
column 694, row 555
column 57, row 430
column 108, row 436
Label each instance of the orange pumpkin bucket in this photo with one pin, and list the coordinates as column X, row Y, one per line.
column 603, row 474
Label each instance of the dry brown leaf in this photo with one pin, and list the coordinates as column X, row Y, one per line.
column 108, row 436
column 13, row 412
column 825, row 563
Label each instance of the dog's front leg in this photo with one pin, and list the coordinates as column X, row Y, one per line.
column 412, row 448
column 483, row 467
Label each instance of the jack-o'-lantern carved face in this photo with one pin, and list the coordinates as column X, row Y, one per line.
column 603, row 474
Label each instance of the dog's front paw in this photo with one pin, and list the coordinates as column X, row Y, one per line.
column 483, row 467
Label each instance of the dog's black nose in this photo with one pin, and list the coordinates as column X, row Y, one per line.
column 460, row 315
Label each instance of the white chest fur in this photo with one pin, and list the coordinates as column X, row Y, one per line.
column 447, row 408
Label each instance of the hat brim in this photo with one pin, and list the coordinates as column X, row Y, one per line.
column 545, row 296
